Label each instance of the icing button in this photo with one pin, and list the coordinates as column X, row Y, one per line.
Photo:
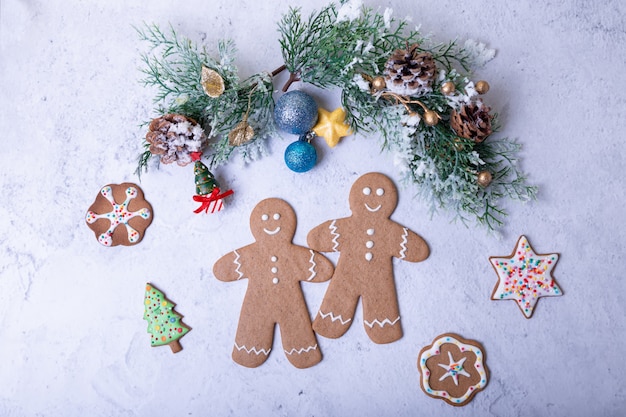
column 275, row 280
column 370, row 232
column 274, row 270
column 369, row 256
column 369, row 244
column 274, row 259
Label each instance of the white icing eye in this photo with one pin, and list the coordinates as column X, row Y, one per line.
column 367, row 191
column 265, row 217
column 380, row 192
column 276, row 216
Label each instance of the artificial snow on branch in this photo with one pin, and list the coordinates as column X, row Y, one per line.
column 416, row 95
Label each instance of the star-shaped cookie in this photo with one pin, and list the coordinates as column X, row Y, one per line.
column 332, row 125
column 525, row 276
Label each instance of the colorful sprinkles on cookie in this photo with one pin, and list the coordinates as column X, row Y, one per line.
column 119, row 215
column 452, row 369
column 525, row 276
column 164, row 323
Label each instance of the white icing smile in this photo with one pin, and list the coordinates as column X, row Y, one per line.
column 272, row 232
column 373, row 209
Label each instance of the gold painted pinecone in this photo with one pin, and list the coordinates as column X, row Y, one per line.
column 175, row 137
column 472, row 121
column 409, row 72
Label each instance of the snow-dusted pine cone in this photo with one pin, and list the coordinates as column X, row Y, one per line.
column 175, row 137
column 409, row 72
column 472, row 121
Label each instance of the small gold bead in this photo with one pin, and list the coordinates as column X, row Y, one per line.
column 379, row 84
column 482, row 87
column 448, row 88
column 484, row 178
column 431, row 118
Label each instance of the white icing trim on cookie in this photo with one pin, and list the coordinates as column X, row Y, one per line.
column 333, row 231
column 405, row 234
column 453, row 369
column 119, row 215
column 371, row 324
column 272, row 232
column 313, row 265
column 236, row 262
column 373, row 210
column 253, row 350
column 525, row 276
column 302, row 350
column 435, row 350
column 334, row 318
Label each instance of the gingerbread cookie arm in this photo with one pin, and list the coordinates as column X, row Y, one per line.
column 228, row 267
column 325, row 237
column 316, row 267
column 411, row 248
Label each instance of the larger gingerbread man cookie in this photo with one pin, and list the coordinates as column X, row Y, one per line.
column 274, row 267
column 367, row 242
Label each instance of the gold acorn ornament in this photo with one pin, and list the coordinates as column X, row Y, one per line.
column 448, row 88
column 431, row 118
column 482, row 87
column 212, row 82
column 379, row 84
column 484, row 178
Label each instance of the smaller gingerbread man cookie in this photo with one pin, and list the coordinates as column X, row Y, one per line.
column 274, row 267
column 452, row 369
column 119, row 205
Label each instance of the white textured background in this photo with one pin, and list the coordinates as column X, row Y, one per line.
column 72, row 338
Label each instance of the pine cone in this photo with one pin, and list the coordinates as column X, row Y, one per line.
column 175, row 137
column 472, row 121
column 410, row 73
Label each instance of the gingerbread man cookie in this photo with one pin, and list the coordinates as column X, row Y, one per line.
column 367, row 242
column 274, row 267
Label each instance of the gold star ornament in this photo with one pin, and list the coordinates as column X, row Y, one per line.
column 332, row 126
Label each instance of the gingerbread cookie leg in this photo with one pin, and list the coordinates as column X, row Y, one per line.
column 299, row 342
column 337, row 310
column 255, row 335
column 381, row 315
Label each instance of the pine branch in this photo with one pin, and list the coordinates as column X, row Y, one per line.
column 338, row 48
column 173, row 66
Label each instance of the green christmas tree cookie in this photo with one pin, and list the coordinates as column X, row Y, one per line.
column 164, row 323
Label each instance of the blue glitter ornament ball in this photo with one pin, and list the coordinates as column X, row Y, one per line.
column 300, row 156
column 295, row 112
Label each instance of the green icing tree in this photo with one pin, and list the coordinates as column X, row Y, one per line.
column 164, row 323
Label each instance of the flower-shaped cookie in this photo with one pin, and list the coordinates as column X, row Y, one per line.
column 453, row 369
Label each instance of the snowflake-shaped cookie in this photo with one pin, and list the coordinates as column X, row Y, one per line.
column 134, row 212
column 525, row 276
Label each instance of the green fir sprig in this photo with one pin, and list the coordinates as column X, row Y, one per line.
column 346, row 47
column 173, row 66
